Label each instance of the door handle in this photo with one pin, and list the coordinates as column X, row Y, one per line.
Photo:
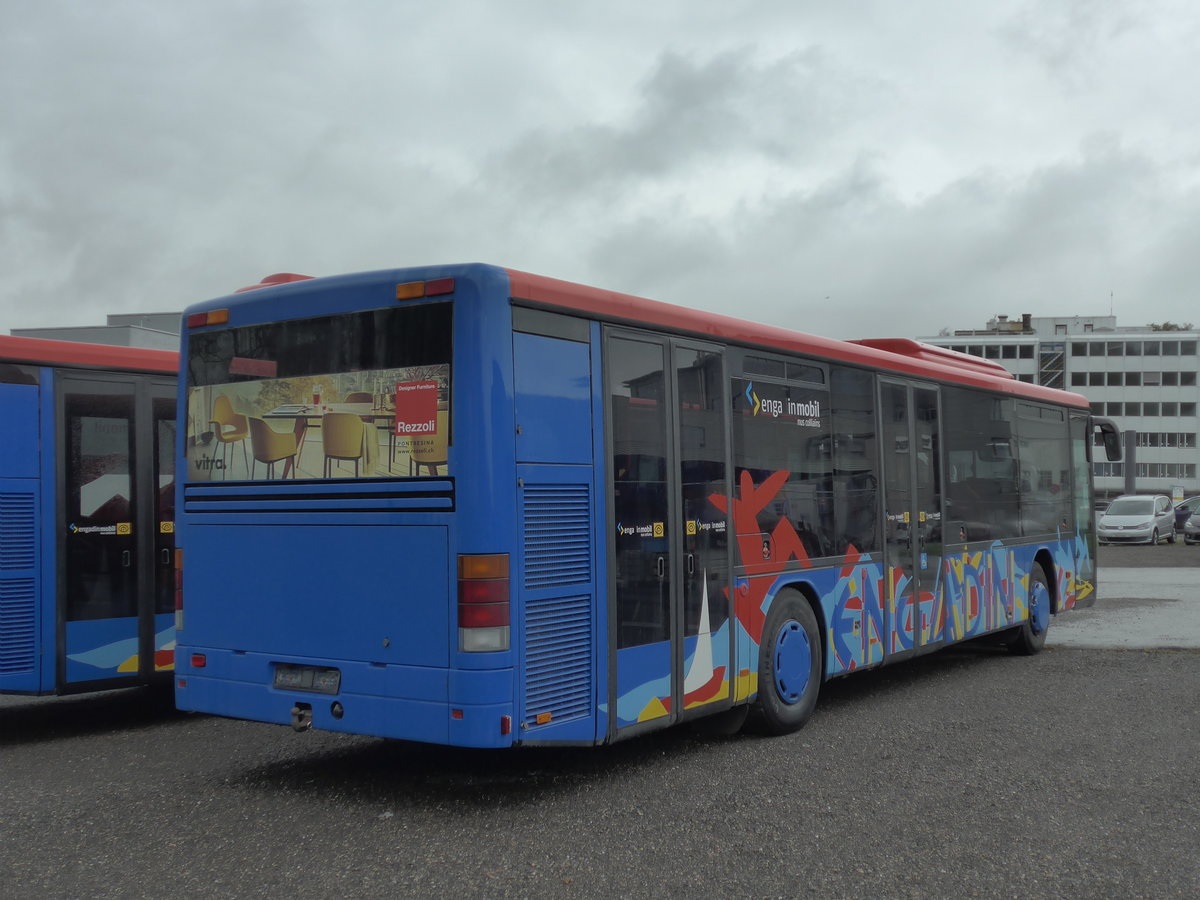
column 661, row 567
column 126, row 558
column 691, row 564
column 165, row 555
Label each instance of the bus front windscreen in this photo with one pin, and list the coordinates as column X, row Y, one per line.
column 359, row 395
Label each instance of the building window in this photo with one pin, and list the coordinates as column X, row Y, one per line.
column 1170, row 348
column 1133, row 379
column 1133, row 348
column 1170, row 409
column 1116, row 348
column 1187, row 348
column 1078, row 379
column 1187, row 409
column 1060, row 329
column 1095, row 379
column 1170, row 379
column 1151, row 379
column 1187, row 379
column 1114, row 409
column 1115, row 379
column 1097, row 409
column 1026, row 351
column 1078, row 348
column 1087, row 326
column 1149, row 409
column 992, row 351
column 1151, row 348
column 1096, row 348
column 1009, row 351
column 975, row 350
column 959, row 348
column 1025, row 377
column 1133, row 409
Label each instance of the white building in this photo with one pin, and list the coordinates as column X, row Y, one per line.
column 152, row 331
column 1144, row 380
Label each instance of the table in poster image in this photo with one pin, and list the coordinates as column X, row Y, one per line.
column 302, row 414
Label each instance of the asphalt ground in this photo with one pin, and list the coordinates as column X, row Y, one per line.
column 968, row 773
column 1141, row 556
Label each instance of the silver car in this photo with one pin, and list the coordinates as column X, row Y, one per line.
column 1191, row 529
column 1137, row 519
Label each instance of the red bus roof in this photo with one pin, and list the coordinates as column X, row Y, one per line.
column 36, row 351
column 898, row 355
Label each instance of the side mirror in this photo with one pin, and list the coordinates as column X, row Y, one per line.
column 1110, row 436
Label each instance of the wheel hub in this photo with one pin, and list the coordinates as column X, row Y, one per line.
column 1039, row 607
column 793, row 662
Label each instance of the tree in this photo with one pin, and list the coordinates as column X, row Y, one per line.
column 1170, row 326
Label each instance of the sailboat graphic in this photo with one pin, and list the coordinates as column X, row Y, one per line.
column 703, row 683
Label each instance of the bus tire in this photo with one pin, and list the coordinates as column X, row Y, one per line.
column 789, row 666
column 1030, row 636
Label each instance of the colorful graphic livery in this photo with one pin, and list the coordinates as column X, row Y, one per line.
column 472, row 506
column 87, row 500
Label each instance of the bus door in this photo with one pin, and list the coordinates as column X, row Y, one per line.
column 670, row 637
column 116, row 529
column 1084, row 535
column 915, row 608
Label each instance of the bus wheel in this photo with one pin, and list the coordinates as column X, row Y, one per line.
column 789, row 666
column 1030, row 636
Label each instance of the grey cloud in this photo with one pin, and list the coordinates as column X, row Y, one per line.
column 689, row 112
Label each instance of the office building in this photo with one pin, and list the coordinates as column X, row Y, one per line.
column 152, row 331
column 1144, row 380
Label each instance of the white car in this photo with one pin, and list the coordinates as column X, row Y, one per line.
column 1191, row 529
column 1137, row 519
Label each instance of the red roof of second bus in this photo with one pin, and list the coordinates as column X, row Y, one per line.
column 37, row 351
column 902, row 356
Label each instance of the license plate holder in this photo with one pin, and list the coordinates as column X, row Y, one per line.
column 312, row 679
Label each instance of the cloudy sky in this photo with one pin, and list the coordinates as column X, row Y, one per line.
column 851, row 169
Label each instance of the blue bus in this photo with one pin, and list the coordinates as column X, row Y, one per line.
column 472, row 506
column 87, row 498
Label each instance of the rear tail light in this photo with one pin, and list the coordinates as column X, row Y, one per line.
column 178, row 589
column 212, row 317
column 483, row 603
column 414, row 290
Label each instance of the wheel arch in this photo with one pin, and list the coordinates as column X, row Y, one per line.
column 805, row 589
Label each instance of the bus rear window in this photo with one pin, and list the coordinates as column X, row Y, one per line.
column 361, row 395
